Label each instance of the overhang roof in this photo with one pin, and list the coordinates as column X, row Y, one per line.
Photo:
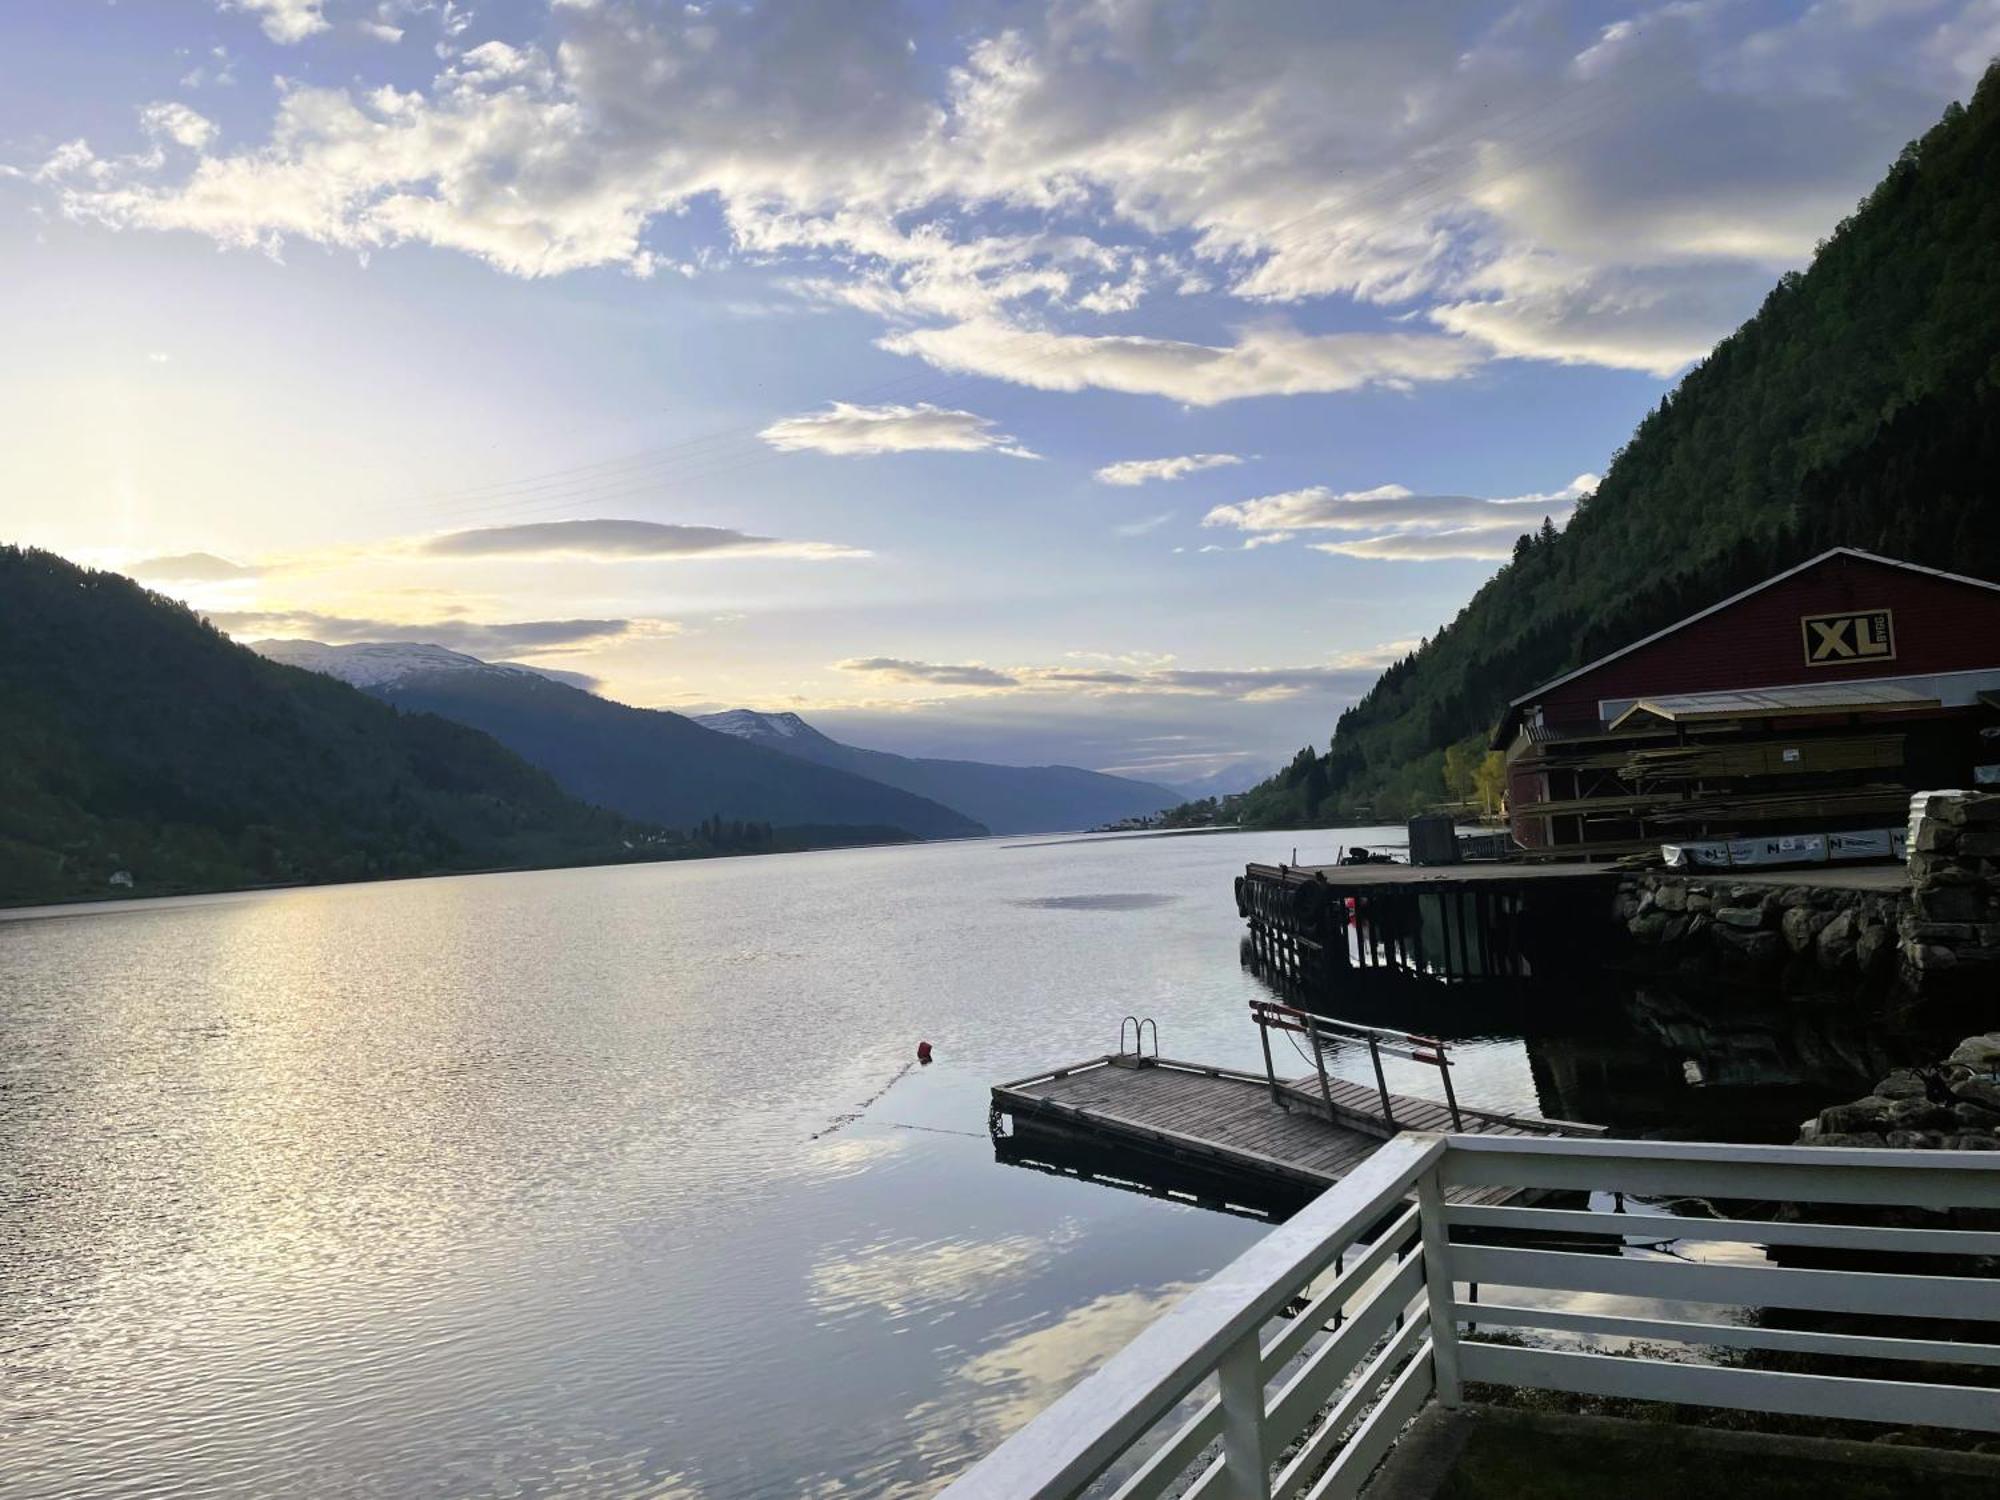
column 1777, row 702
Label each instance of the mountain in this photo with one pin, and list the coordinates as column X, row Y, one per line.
column 1226, row 782
column 646, row 763
column 1859, row 407
column 373, row 663
column 136, row 738
column 1007, row 799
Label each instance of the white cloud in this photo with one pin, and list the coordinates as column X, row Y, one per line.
column 622, row 541
column 285, row 21
column 1400, row 524
column 1133, row 471
column 848, row 430
column 1143, row 526
column 177, row 123
column 1551, row 190
column 1264, row 361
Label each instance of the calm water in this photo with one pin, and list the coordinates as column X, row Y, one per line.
column 616, row 1182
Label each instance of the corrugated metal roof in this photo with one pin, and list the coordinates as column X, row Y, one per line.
column 1765, row 703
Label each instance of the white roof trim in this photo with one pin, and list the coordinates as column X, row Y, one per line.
column 1755, row 588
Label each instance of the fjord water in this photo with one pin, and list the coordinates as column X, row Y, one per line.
column 618, row 1181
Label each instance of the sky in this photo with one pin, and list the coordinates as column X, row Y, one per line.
column 1117, row 383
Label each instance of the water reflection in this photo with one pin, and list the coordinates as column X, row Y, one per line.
column 510, row 1183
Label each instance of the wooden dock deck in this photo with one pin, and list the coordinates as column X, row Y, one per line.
column 1219, row 1118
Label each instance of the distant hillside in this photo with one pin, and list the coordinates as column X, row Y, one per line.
column 1007, row 799
column 134, row 737
column 1859, row 407
column 646, row 763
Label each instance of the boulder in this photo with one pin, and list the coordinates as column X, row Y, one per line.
column 1980, row 1093
column 1836, row 940
column 1949, row 903
column 1699, row 900
column 1984, row 842
column 1920, row 1114
column 1904, row 1083
column 1645, row 928
column 1979, row 1053
column 1755, row 946
column 1801, row 925
column 1975, row 1140
column 1672, row 896
column 1743, row 918
column 1872, row 947
column 1929, row 958
column 1869, row 1114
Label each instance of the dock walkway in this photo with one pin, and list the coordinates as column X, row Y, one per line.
column 1221, row 1118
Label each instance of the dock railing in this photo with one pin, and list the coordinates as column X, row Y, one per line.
column 1292, row 1371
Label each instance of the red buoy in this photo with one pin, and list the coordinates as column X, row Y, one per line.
column 923, row 1052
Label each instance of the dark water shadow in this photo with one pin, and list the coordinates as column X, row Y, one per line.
column 1111, row 901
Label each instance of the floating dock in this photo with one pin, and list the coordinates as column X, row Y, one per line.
column 1274, row 1138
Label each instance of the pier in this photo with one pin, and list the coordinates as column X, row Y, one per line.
column 1449, row 923
column 1258, row 1137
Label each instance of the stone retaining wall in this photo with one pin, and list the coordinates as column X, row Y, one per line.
column 1944, row 928
column 1956, row 1108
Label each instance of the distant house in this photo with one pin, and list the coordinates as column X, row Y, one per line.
column 1812, row 702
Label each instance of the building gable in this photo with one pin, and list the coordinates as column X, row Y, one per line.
column 1843, row 616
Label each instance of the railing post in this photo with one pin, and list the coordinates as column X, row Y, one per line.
column 1436, row 1237
column 1381, row 1082
column 1270, row 1071
column 1319, row 1062
column 1239, row 1378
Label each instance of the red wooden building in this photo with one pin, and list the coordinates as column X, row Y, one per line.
column 1814, row 701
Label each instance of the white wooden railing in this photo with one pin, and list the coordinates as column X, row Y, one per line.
column 1292, row 1371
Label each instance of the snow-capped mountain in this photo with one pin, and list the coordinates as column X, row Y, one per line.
column 748, row 724
column 1007, row 799
column 646, row 763
column 378, row 663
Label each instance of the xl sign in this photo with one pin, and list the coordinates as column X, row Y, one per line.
column 1855, row 636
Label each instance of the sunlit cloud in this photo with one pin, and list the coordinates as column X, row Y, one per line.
column 284, row 21
column 1264, row 361
column 1402, row 525
column 488, row 640
column 623, row 541
column 191, row 567
column 1133, row 471
column 934, row 673
column 854, row 430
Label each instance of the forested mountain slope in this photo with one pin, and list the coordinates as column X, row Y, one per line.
column 1859, row 407
column 135, row 737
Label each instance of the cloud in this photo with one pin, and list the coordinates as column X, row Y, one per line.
column 1144, row 525
column 1403, row 525
column 191, row 567
column 177, row 123
column 1133, row 471
column 622, row 541
column 489, row 640
column 1135, row 676
column 284, row 21
column 1527, row 184
column 847, row 429
column 1271, row 360
column 900, row 670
